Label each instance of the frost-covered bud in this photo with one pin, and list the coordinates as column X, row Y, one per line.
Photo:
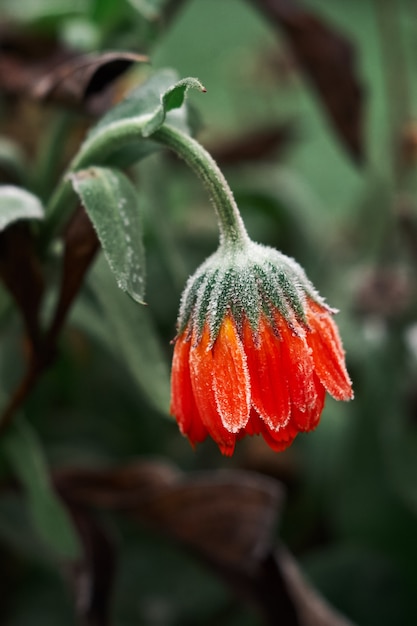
column 256, row 350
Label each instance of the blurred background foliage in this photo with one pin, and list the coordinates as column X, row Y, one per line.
column 312, row 116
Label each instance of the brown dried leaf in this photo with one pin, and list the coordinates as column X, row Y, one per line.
column 328, row 59
column 281, row 593
column 39, row 68
column 311, row 608
column 254, row 146
column 227, row 519
column 81, row 245
column 119, row 488
column 226, row 515
column 21, row 272
column 82, row 77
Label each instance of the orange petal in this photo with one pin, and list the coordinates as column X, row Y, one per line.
column 274, row 444
column 276, row 440
column 183, row 405
column 310, row 417
column 299, row 365
column 201, row 370
column 328, row 354
column 268, row 375
column 231, row 378
column 254, row 426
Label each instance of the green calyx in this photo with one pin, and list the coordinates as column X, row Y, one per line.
column 248, row 281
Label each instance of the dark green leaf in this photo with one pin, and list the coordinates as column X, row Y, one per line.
column 112, row 204
column 24, row 453
column 367, row 573
column 17, row 530
column 131, row 334
column 116, row 138
column 107, row 13
column 16, row 204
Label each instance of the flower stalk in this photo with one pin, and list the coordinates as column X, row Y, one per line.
column 232, row 229
column 100, row 146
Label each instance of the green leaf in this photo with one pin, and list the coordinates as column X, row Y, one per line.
column 112, row 204
column 107, row 13
column 16, row 204
column 172, row 98
column 132, row 335
column 17, row 529
column 158, row 100
column 116, row 138
column 23, row 451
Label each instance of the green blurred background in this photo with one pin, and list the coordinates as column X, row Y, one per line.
column 350, row 515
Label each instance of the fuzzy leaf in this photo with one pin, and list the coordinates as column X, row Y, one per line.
column 154, row 101
column 16, row 204
column 172, row 98
column 24, row 453
column 112, row 204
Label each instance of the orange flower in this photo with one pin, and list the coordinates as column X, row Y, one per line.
column 256, row 351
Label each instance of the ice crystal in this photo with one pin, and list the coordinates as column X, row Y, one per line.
column 246, row 281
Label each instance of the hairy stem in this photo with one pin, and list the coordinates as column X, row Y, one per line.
column 232, row 229
column 99, row 146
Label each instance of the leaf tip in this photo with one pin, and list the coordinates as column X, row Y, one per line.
column 194, row 82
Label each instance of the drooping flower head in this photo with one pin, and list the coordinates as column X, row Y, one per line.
column 256, row 350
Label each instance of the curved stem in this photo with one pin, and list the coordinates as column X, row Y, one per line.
column 231, row 226
column 101, row 144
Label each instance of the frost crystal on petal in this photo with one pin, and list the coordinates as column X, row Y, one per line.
column 263, row 350
column 242, row 281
